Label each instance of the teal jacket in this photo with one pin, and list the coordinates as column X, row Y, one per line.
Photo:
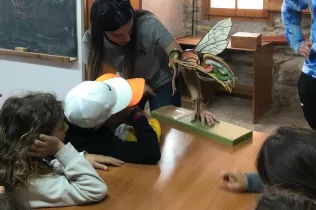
column 255, row 184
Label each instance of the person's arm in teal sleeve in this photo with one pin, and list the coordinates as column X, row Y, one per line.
column 291, row 14
column 255, row 184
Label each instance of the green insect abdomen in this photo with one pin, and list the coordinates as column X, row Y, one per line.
column 220, row 74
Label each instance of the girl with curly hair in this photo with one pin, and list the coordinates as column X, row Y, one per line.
column 41, row 116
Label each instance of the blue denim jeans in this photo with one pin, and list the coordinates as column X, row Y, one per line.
column 163, row 97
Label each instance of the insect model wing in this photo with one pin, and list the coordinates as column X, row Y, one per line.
column 215, row 41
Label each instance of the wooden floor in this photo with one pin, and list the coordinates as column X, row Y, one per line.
column 185, row 179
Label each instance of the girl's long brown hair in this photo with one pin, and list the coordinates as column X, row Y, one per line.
column 98, row 21
column 22, row 120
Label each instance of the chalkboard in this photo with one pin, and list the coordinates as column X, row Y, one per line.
column 41, row 26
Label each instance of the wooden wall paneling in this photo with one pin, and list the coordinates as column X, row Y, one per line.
column 275, row 5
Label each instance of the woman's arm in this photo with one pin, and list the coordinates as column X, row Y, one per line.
column 291, row 13
column 79, row 183
column 165, row 40
column 189, row 77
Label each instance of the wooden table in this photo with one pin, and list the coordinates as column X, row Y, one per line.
column 261, row 88
column 186, row 177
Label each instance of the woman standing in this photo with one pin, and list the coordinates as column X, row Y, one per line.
column 135, row 44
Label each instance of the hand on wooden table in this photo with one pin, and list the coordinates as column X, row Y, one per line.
column 100, row 161
column 235, row 182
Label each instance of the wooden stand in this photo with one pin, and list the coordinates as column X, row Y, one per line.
column 222, row 132
column 261, row 88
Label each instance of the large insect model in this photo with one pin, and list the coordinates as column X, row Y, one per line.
column 203, row 60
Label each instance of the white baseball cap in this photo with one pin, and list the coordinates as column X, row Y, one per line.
column 91, row 103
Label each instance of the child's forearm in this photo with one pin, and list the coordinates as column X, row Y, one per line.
column 79, row 183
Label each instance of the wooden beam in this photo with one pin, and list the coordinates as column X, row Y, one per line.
column 275, row 40
column 63, row 59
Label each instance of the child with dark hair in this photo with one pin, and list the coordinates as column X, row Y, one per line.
column 287, row 159
column 274, row 198
column 41, row 116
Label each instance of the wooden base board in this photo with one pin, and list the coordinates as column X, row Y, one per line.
column 222, row 132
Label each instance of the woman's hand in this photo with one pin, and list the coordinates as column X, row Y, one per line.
column 99, row 161
column 234, row 181
column 305, row 49
column 206, row 116
column 149, row 91
column 2, row 189
column 45, row 146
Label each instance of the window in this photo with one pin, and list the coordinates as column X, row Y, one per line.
column 236, row 8
column 241, row 4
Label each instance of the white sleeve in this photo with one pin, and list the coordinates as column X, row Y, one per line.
column 79, row 184
column 59, row 168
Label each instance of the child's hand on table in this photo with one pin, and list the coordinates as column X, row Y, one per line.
column 234, row 181
column 99, row 161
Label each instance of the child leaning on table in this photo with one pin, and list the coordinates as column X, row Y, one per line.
column 89, row 110
column 286, row 159
column 124, row 131
column 23, row 171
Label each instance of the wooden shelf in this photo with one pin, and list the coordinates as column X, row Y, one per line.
column 275, row 40
column 261, row 88
column 63, row 59
column 194, row 40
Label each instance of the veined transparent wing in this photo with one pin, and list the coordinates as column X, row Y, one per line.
column 215, row 41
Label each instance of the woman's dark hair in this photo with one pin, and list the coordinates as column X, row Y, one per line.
column 9, row 201
column 274, row 198
column 110, row 15
column 22, row 120
column 287, row 159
